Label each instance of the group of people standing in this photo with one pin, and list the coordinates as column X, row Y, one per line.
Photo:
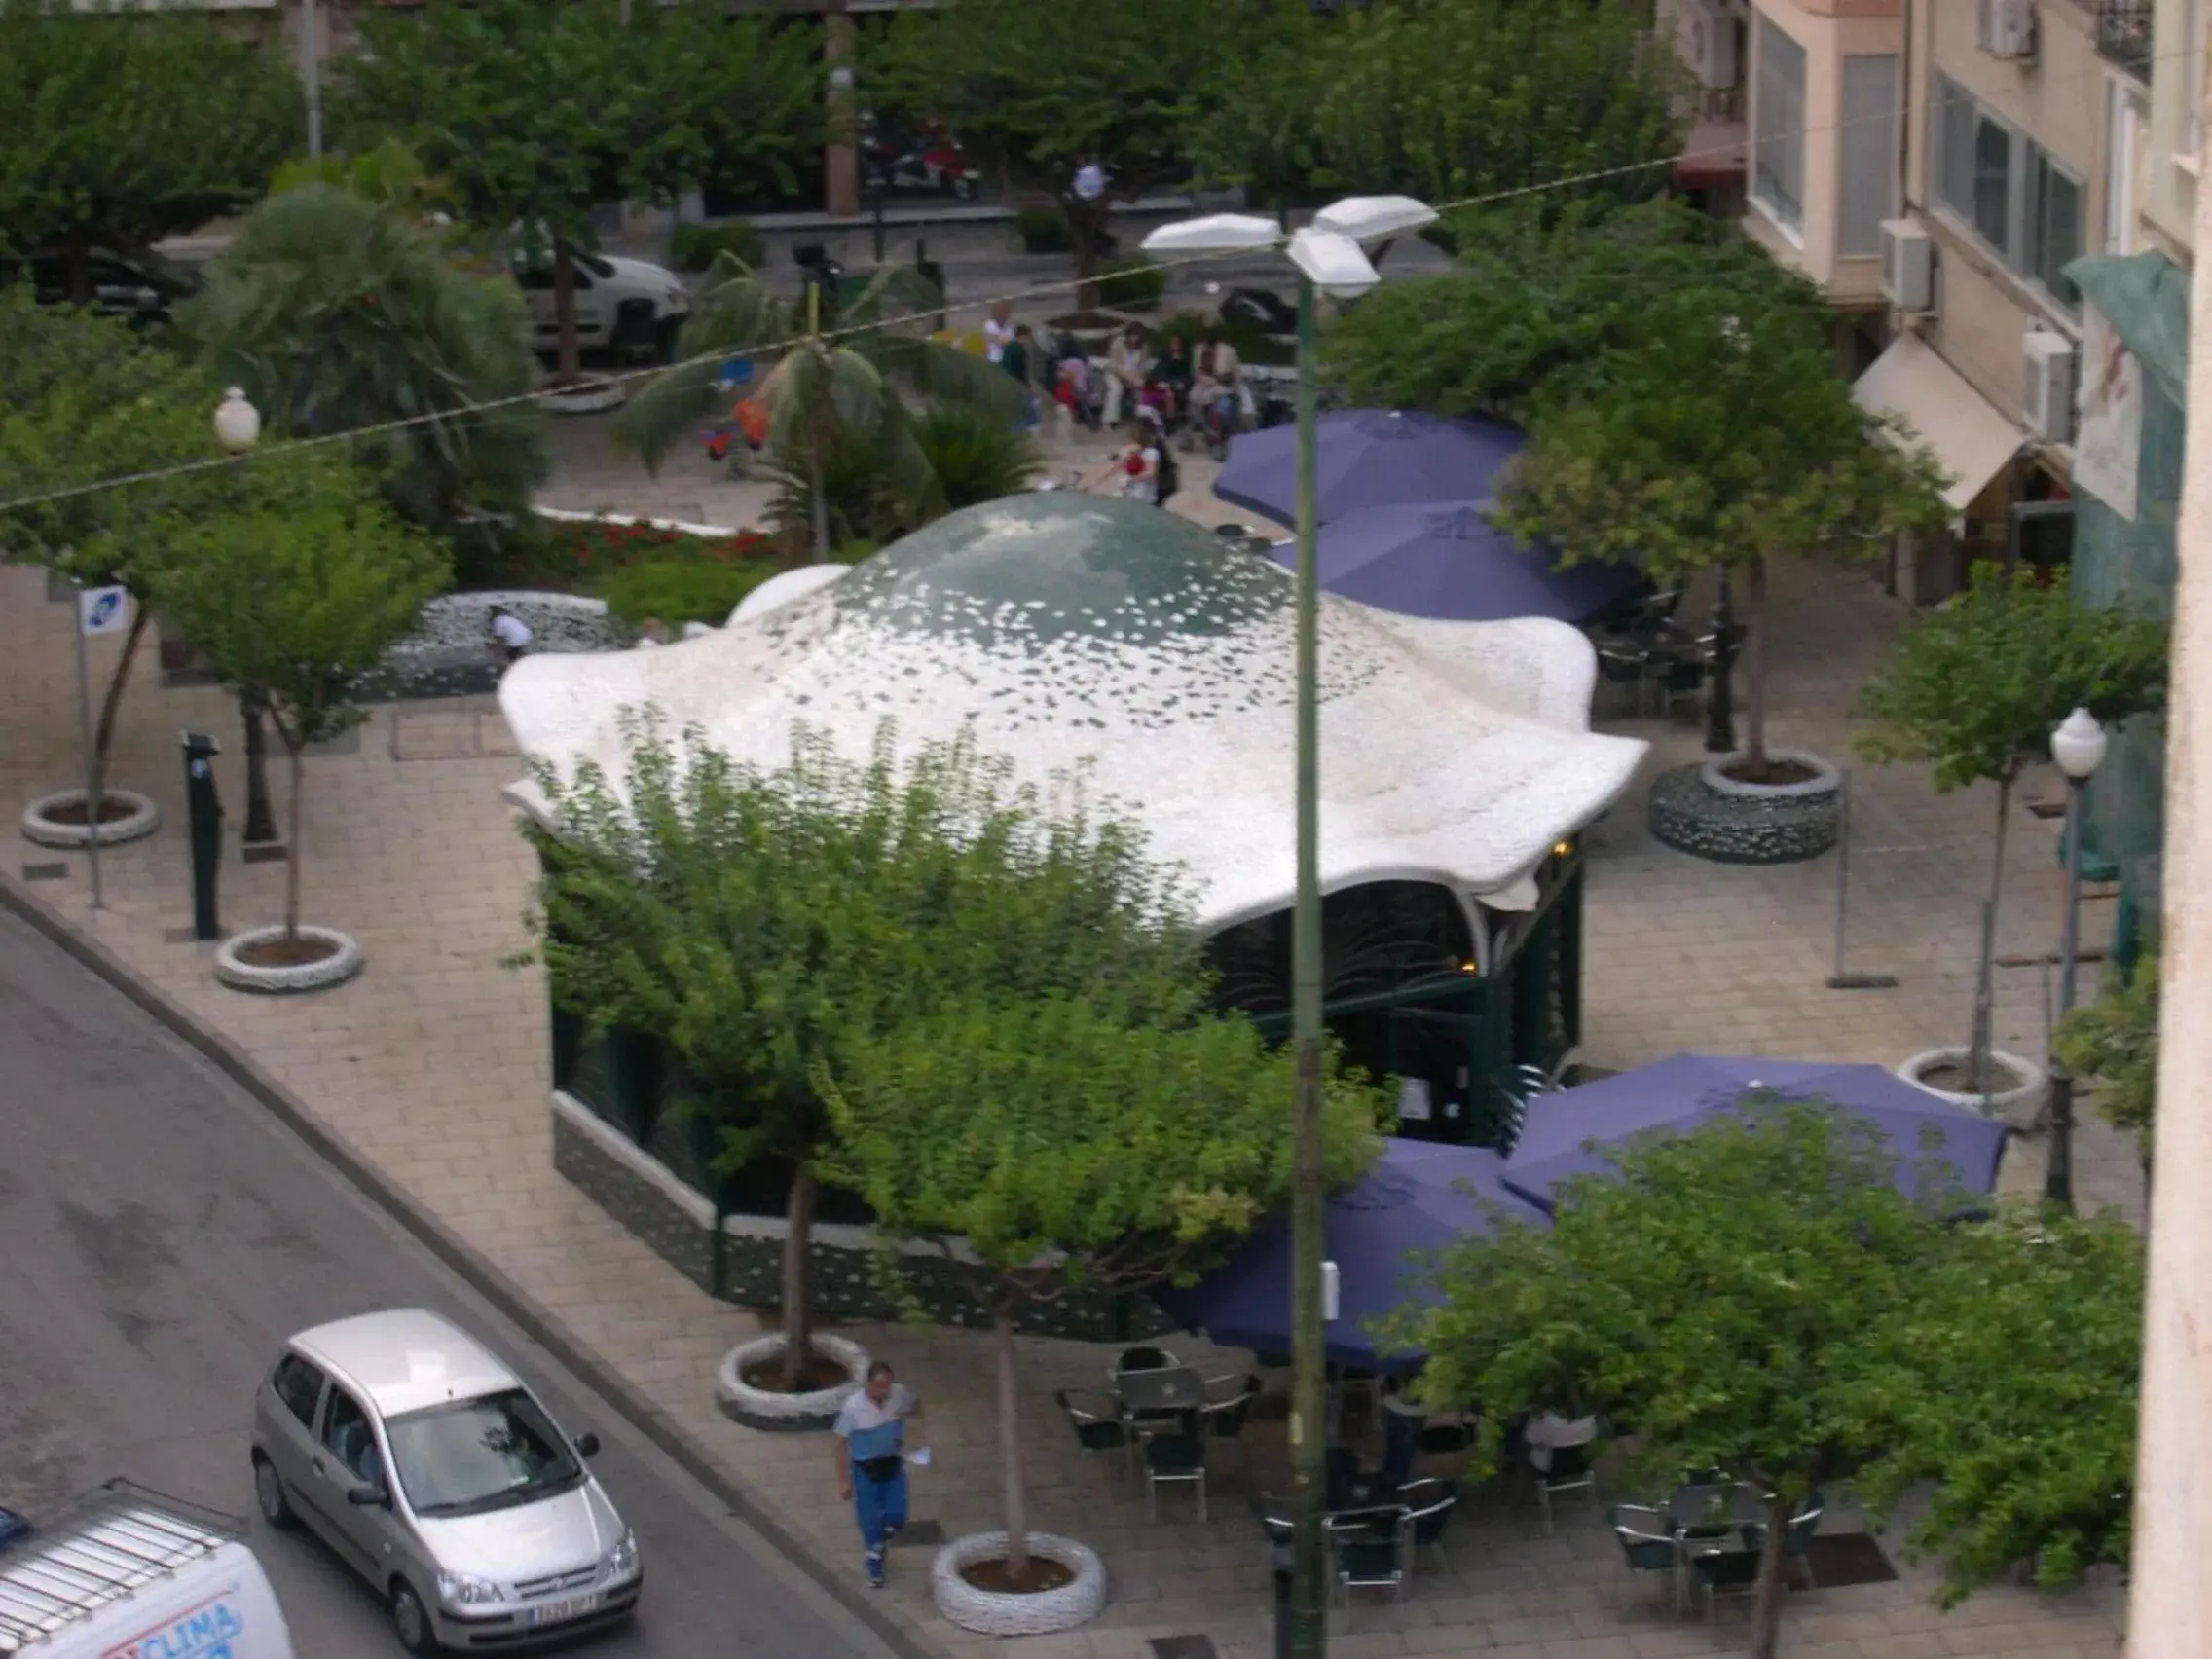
column 1156, row 392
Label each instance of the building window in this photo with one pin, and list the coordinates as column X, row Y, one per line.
column 1869, row 152
column 2016, row 198
column 1778, row 183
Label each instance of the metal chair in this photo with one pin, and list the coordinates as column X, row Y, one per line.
column 1724, row 1572
column 1277, row 1515
column 1647, row 1545
column 1142, row 1359
column 1224, row 1419
column 1573, row 1469
column 1097, row 1424
column 1795, row 1537
column 1368, row 1559
column 1429, row 1507
column 1170, row 1458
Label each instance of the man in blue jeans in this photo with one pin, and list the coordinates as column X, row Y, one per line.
column 871, row 1461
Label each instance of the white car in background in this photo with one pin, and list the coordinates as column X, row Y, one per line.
column 629, row 306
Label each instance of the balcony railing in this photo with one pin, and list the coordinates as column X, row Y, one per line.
column 2123, row 35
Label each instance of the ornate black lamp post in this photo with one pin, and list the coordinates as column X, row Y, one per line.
column 238, row 428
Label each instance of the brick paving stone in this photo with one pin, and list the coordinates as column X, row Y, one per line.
column 433, row 1066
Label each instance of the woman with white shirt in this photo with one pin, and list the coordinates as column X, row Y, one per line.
column 1128, row 358
column 998, row 329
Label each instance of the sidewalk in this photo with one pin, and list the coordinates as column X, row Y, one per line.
column 433, row 1065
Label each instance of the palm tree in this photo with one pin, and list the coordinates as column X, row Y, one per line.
column 841, row 405
column 339, row 307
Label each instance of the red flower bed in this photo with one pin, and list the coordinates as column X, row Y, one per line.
column 611, row 546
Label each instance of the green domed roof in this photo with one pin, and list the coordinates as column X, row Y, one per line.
column 1031, row 569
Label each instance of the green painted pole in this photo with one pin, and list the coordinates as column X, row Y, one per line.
column 1309, row 1401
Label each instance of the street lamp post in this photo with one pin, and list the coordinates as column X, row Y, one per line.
column 2078, row 744
column 238, row 428
column 1327, row 255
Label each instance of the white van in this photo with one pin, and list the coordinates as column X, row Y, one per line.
column 133, row 1575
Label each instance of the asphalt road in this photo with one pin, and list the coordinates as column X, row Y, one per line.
column 161, row 1235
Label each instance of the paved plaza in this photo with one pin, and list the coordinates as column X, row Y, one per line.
column 434, row 1066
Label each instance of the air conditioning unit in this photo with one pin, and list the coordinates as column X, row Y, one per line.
column 1709, row 43
column 1909, row 265
column 2009, row 28
column 2047, row 369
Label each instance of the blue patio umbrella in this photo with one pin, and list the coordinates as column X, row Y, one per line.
column 1366, row 457
column 1448, row 561
column 1420, row 1195
column 1683, row 1090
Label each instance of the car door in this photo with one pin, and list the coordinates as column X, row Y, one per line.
column 347, row 1456
column 591, row 307
column 287, row 1411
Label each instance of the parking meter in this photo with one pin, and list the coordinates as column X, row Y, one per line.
column 204, row 811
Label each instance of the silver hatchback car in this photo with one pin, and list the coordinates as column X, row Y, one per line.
column 426, row 1465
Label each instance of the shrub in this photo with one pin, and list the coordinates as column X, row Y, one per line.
column 1042, row 229
column 1132, row 285
column 677, row 591
column 975, row 456
column 694, row 247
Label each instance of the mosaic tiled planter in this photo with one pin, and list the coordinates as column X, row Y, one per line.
column 1699, row 810
column 787, row 1414
column 2018, row 1108
column 343, row 961
column 448, row 654
column 44, row 830
column 990, row 1612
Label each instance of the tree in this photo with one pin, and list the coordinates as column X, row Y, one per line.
column 1536, row 299
column 1973, row 689
column 1723, row 1294
column 1040, row 87
column 1075, row 1146
column 335, row 310
column 1720, row 437
column 762, row 922
column 538, row 113
column 125, row 129
column 1362, row 99
column 83, row 399
column 2009, row 1380
column 2116, row 1041
column 292, row 593
column 841, row 407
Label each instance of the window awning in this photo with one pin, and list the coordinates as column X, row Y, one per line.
column 1971, row 437
column 1715, row 153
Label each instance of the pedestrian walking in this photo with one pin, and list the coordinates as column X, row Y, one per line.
column 1020, row 360
column 871, row 1461
column 998, row 330
column 510, row 634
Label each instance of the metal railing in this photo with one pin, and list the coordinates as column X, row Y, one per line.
column 2123, row 35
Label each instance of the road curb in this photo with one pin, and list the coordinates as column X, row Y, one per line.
column 482, row 1276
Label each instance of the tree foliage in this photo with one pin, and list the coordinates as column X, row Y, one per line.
column 538, row 113
column 2116, row 1041
column 292, row 592
column 335, row 310
column 1536, row 302
column 1037, row 88
column 842, row 408
column 1722, row 1294
column 1075, row 1142
column 125, row 129
column 2009, row 1378
column 1975, row 687
column 762, row 922
column 85, row 398
column 1722, row 435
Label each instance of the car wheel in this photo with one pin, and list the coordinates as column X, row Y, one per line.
column 268, row 1492
column 411, row 1620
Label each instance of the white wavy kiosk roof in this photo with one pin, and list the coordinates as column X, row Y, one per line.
column 1073, row 630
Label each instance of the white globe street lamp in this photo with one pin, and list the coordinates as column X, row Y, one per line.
column 2078, row 744
column 238, row 428
column 1327, row 254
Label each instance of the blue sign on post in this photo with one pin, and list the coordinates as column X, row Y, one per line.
column 103, row 609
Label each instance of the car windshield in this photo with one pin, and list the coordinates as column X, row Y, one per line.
column 475, row 1456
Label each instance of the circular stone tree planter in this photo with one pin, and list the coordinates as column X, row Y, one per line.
column 2018, row 1106
column 254, row 961
column 996, row 1612
column 788, row 1414
column 42, row 826
column 1703, row 811
column 588, row 398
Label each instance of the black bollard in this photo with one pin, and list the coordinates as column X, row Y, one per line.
column 204, row 812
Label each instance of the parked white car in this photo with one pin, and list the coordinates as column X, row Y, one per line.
column 629, row 304
column 435, row 1474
